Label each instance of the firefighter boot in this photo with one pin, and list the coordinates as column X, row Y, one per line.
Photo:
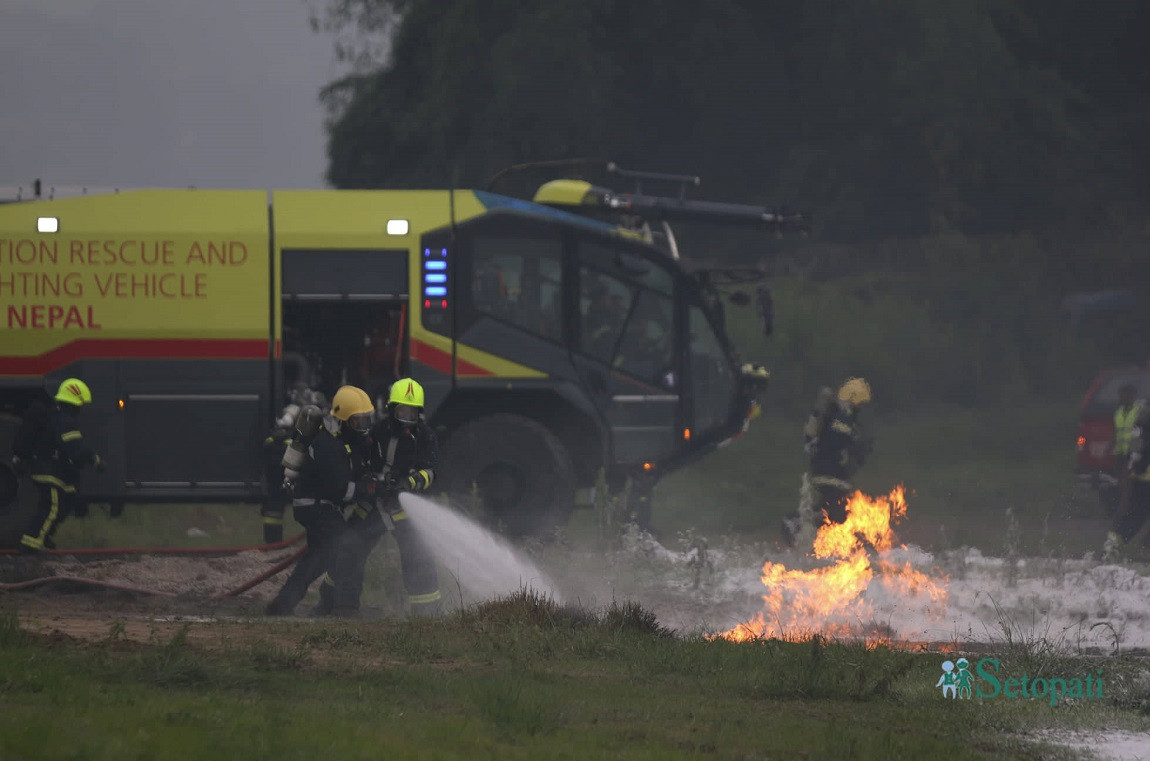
column 425, row 605
column 326, row 599
column 273, row 520
column 282, row 605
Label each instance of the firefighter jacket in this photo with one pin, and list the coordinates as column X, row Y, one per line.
column 336, row 465
column 405, row 455
column 1124, row 421
column 840, row 450
column 59, row 451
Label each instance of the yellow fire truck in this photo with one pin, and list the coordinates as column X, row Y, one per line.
column 551, row 342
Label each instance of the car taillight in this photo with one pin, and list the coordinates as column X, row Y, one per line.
column 1081, row 443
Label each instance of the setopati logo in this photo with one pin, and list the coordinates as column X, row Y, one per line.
column 957, row 682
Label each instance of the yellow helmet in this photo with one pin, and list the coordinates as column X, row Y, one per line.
column 855, row 391
column 74, row 391
column 405, row 401
column 353, row 406
column 406, row 391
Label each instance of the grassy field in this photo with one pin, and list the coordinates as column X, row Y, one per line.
column 169, row 525
column 516, row 678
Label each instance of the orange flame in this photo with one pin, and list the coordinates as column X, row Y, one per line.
column 829, row 600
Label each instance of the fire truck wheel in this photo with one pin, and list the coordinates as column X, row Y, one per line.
column 17, row 495
column 523, row 473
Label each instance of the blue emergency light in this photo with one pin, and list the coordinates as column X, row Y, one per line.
column 435, row 278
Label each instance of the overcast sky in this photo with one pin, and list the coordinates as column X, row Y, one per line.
column 145, row 93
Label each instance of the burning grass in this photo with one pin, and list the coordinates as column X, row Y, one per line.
column 834, row 597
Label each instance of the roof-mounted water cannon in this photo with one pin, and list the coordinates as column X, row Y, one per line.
column 640, row 210
column 580, row 195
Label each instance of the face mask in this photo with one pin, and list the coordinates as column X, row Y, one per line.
column 360, row 423
column 406, row 415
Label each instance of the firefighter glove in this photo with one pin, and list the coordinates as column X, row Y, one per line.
column 396, row 484
column 366, row 488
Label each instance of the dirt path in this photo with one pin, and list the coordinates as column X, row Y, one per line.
column 98, row 615
column 195, row 594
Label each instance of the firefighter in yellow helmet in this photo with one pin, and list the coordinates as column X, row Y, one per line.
column 333, row 475
column 52, row 449
column 405, row 452
column 837, row 448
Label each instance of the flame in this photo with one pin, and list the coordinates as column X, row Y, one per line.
column 830, row 600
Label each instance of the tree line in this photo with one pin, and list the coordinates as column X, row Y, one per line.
column 886, row 118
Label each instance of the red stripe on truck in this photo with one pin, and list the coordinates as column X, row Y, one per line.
column 438, row 359
column 135, row 348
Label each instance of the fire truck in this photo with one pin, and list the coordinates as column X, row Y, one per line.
column 555, row 337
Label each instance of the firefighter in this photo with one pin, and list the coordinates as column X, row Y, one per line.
column 277, row 497
column 1130, row 520
column 837, row 448
column 404, row 458
column 334, row 474
column 57, row 455
column 1124, row 417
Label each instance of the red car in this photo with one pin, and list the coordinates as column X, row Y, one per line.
column 1096, row 466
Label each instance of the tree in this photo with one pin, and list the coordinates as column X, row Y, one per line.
column 885, row 117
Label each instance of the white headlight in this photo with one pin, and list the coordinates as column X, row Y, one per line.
column 47, row 224
column 397, row 227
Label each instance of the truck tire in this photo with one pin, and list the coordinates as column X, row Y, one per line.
column 523, row 472
column 17, row 495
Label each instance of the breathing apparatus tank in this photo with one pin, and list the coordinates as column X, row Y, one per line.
column 814, row 427
column 308, row 424
column 288, row 416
